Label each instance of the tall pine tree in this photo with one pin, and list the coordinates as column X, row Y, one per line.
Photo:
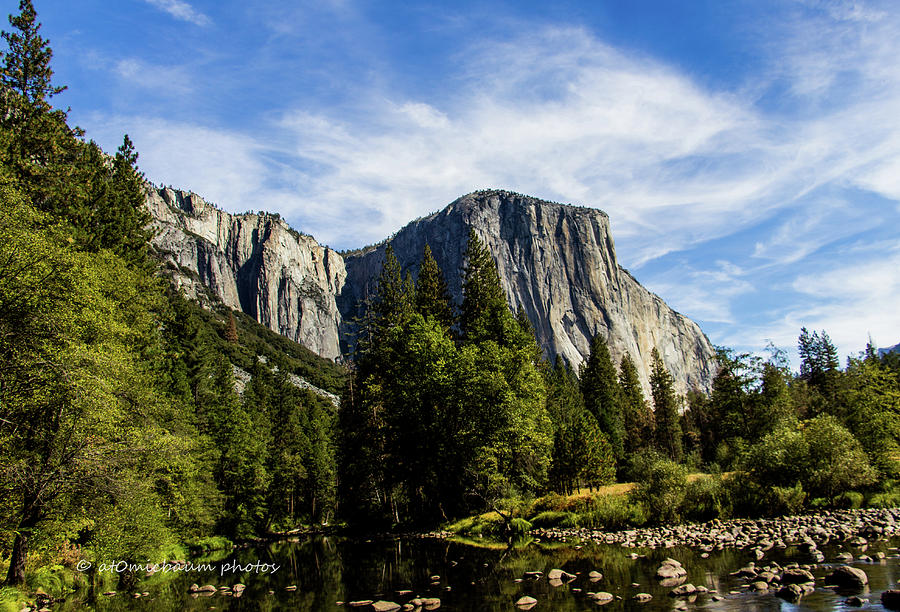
column 602, row 395
column 432, row 298
column 665, row 404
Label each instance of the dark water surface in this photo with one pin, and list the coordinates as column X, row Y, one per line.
column 479, row 576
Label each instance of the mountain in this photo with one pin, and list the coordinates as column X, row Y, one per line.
column 557, row 262
column 890, row 349
column 254, row 263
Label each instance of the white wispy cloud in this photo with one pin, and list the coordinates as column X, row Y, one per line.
column 560, row 114
column 143, row 75
column 181, row 10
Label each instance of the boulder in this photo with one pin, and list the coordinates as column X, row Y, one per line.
column 526, row 602
column 890, row 599
column 847, row 576
column 796, row 575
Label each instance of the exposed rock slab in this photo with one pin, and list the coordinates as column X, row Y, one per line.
column 559, row 264
column 254, row 263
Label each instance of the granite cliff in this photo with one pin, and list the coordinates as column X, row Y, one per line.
column 557, row 262
column 252, row 262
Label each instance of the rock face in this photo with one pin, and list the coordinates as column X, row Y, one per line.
column 559, row 264
column 556, row 262
column 252, row 262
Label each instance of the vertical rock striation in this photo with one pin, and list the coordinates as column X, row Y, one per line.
column 558, row 263
column 252, row 262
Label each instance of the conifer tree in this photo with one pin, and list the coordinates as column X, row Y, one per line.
column 485, row 313
column 637, row 418
column 231, row 333
column 665, row 404
column 432, row 298
column 26, row 69
column 602, row 395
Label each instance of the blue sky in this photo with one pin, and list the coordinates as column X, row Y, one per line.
column 748, row 153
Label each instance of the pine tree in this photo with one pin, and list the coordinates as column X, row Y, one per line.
column 665, row 404
column 818, row 362
column 637, row 418
column 602, row 395
column 26, row 69
column 432, row 297
column 231, row 333
column 485, row 314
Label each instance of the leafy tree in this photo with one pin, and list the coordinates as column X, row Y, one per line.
column 661, row 488
column 818, row 455
column 602, row 395
column 76, row 331
column 665, row 404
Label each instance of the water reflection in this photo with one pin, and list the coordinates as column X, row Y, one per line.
column 484, row 576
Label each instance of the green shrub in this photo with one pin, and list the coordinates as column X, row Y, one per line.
column 611, row 513
column 706, row 499
column 555, row 519
column 787, row 500
column 884, row 500
column 661, row 490
column 211, row 543
column 519, row 526
column 553, row 502
column 12, row 599
column 849, row 499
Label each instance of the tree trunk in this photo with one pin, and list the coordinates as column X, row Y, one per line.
column 16, row 574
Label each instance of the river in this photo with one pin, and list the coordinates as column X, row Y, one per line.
column 481, row 576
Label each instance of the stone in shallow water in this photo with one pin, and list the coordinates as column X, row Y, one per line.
column 890, row 599
column 525, row 602
column 847, row 576
column 642, row 597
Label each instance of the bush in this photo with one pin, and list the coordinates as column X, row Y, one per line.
column 706, row 499
column 849, row 499
column 519, row 526
column 612, row 512
column 555, row 519
column 553, row 502
column 662, row 490
column 884, row 500
column 209, row 544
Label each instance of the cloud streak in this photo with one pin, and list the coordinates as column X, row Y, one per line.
column 560, row 114
column 182, row 11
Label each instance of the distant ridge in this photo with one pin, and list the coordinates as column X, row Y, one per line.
column 890, row 349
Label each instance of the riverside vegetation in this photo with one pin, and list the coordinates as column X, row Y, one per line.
column 123, row 434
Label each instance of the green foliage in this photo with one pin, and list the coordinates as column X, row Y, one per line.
column 849, row 499
column 462, row 426
column 432, row 298
column 612, row 512
column 661, row 489
column 818, row 457
column 563, row 520
column 706, row 499
column 602, row 394
column 519, row 526
column 637, row 418
column 665, row 405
